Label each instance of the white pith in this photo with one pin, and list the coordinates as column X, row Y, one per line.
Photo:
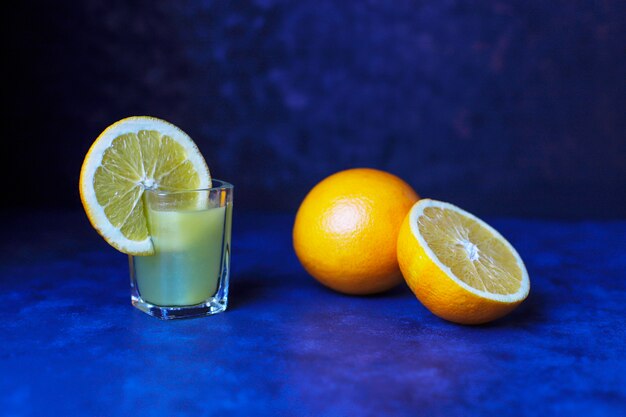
column 416, row 212
column 94, row 160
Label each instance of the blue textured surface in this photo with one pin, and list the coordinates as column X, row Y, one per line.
column 73, row 345
column 469, row 101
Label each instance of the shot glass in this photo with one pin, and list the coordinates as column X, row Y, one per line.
column 188, row 274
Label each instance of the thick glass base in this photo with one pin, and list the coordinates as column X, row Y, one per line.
column 208, row 308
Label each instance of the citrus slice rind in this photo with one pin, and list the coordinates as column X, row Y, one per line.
column 128, row 157
column 418, row 212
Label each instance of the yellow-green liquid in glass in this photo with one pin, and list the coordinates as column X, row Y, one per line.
column 185, row 268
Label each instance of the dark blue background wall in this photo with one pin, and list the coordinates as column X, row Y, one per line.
column 503, row 107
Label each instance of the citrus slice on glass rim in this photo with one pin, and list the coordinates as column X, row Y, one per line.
column 458, row 266
column 130, row 156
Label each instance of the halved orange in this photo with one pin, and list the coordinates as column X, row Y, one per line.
column 458, row 266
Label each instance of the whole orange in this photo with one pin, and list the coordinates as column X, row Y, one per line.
column 346, row 230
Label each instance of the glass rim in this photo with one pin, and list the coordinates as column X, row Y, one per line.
column 223, row 185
